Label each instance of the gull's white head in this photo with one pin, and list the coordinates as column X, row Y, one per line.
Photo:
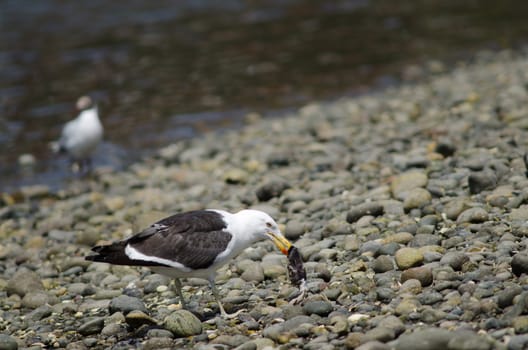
column 84, row 102
column 259, row 225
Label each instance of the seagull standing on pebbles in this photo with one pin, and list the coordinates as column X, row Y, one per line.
column 80, row 136
column 193, row 244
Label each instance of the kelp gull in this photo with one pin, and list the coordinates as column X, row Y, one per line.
column 193, row 244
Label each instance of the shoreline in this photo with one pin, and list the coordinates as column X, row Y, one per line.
column 407, row 205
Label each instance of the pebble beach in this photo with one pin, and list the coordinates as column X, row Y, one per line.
column 409, row 207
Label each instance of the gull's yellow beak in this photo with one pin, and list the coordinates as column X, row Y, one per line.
column 281, row 242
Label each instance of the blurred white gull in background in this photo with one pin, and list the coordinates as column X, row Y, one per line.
column 80, row 136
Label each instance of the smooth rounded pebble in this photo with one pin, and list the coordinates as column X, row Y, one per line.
column 125, row 304
column 33, row 300
column 294, row 229
column 383, row 263
column 464, row 340
column 519, row 342
column 7, row 342
column 373, row 345
column 318, row 307
column 520, row 324
column 253, row 273
column 473, row 215
column 406, row 182
column 519, row 264
column 408, row 257
column 136, row 318
column 271, row 189
column 92, row 326
column 480, row 181
column 416, row 198
column 454, row 259
column 372, row 208
column 424, row 274
column 425, row 339
column 183, row 323
column 24, row 281
column 158, row 343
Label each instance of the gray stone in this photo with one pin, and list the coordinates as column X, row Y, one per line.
column 125, row 304
column 382, row 334
column 183, row 323
column 480, row 181
column 406, row 182
column 392, row 322
column 519, row 342
column 7, row 342
column 274, row 331
column 446, row 148
column 159, row 333
column 236, row 176
column 273, row 271
column 294, row 229
column 410, row 286
column 455, row 207
column 81, row 289
column 505, row 297
column 114, row 329
column 407, row 306
column 253, row 273
column 473, row 215
column 250, row 345
column 408, row 257
column 383, row 263
column 389, row 249
column 272, row 188
column 93, row 326
column 385, row 294
column 24, row 281
column 318, row 307
column 296, row 321
column 519, row 264
column 425, row 239
column 231, row 340
column 424, row 274
column 430, row 297
column 33, row 300
column 520, row 324
column 519, row 214
column 370, row 208
column 39, row 313
column 136, row 318
column 353, row 340
column 424, row 339
column 416, row 198
column 339, row 324
column 336, row 227
column 373, row 345
column 467, row 340
column 158, row 343
column 454, row 259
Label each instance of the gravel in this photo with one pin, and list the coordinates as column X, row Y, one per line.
column 409, row 207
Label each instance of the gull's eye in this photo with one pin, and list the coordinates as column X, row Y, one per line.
column 268, row 224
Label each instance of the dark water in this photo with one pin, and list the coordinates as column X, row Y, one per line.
column 167, row 70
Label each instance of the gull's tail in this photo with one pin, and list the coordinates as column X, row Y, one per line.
column 115, row 254
column 112, row 254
